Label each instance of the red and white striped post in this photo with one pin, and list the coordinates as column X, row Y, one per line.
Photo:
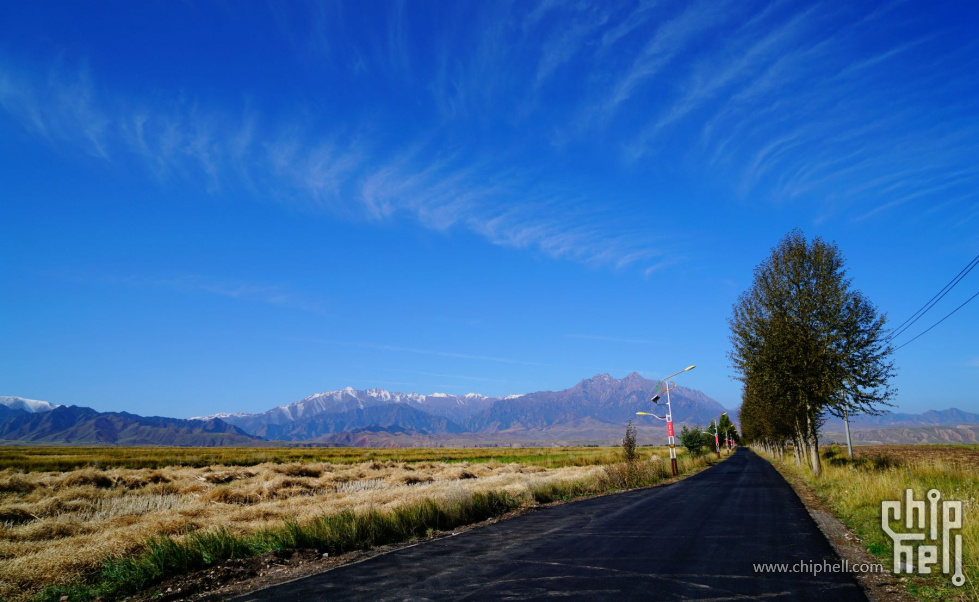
column 717, row 434
column 669, row 431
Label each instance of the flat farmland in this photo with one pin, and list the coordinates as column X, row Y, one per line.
column 960, row 457
column 32, row 459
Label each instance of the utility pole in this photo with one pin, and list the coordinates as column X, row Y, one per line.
column 846, row 424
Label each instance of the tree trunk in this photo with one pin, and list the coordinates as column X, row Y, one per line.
column 814, row 461
column 797, row 451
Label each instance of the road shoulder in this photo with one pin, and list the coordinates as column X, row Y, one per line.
column 879, row 587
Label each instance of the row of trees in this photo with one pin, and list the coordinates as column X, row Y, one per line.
column 806, row 345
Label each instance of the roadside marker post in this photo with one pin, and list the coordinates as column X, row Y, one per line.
column 669, row 386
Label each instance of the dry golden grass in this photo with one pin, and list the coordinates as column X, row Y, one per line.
column 855, row 490
column 58, row 526
column 35, row 459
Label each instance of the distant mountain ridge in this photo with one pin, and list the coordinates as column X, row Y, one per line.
column 85, row 426
column 962, row 434
column 602, row 398
column 458, row 409
column 602, row 402
column 594, row 410
column 949, row 417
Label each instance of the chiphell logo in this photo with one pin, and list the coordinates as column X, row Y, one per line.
column 927, row 526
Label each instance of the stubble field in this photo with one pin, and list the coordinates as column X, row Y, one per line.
column 66, row 512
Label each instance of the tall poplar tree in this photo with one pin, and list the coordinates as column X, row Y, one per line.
column 805, row 343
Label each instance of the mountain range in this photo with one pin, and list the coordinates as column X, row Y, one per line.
column 594, row 411
column 85, row 426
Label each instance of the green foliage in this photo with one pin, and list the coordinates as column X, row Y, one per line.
column 804, row 344
column 693, row 439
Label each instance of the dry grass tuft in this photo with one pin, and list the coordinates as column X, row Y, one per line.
column 88, row 476
column 16, row 484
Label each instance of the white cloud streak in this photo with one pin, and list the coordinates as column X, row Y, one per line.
column 341, row 173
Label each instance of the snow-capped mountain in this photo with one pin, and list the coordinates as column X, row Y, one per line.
column 31, row 406
column 457, row 409
column 603, row 403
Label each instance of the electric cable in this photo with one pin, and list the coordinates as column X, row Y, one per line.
column 940, row 321
column 904, row 326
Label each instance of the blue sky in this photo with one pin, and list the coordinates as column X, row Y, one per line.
column 228, row 206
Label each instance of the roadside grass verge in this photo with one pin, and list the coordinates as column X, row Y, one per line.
column 163, row 557
column 854, row 490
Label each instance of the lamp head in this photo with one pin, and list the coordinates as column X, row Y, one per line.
column 689, row 368
column 655, row 399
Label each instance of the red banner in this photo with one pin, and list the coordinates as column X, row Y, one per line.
column 669, row 428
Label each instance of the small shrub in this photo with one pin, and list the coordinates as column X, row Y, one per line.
column 629, row 453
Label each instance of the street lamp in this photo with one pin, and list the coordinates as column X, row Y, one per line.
column 717, row 436
column 669, row 414
column 729, row 438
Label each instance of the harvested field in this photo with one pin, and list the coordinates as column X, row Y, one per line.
column 965, row 457
column 58, row 526
column 33, row 459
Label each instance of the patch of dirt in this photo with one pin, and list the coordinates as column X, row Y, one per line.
column 879, row 587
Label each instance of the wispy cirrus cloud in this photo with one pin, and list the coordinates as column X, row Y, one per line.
column 666, row 43
column 794, row 103
column 340, row 172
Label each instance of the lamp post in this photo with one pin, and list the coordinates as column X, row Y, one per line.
column 669, row 415
column 717, row 434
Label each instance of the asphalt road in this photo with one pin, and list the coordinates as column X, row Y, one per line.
column 697, row 538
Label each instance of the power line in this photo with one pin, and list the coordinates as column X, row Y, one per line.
column 942, row 320
column 904, row 326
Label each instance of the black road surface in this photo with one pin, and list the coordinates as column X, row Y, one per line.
column 698, row 538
